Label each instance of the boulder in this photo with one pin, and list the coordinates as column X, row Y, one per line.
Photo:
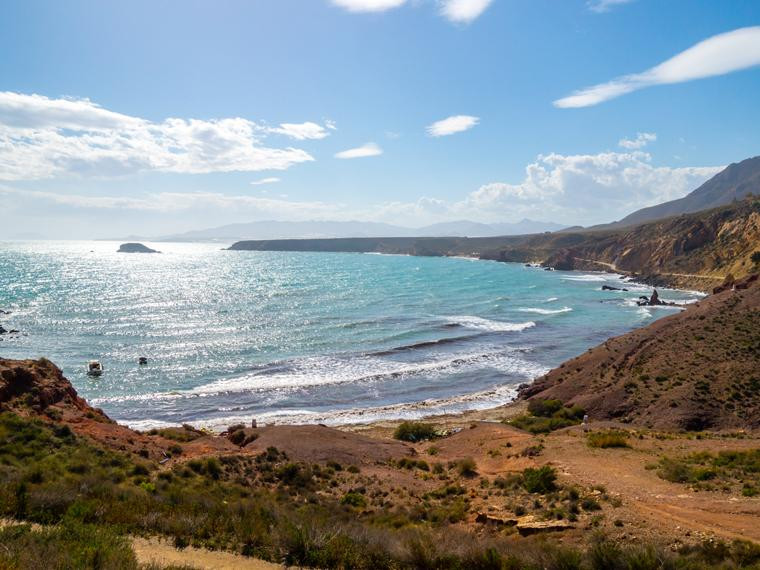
column 485, row 518
column 528, row 525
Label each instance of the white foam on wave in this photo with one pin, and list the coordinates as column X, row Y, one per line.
column 586, row 278
column 315, row 372
column 496, row 396
column 545, row 311
column 551, row 299
column 489, row 324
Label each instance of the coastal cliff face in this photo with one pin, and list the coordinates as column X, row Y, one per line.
column 695, row 250
column 698, row 369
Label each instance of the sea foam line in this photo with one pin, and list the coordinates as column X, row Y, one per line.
column 545, row 311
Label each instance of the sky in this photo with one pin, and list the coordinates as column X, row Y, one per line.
column 151, row 118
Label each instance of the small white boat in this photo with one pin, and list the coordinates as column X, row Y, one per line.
column 94, row 368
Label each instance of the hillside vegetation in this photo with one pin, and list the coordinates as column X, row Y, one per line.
column 698, row 369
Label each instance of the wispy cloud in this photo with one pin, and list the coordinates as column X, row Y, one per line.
column 42, row 137
column 303, row 131
column 451, row 125
column 368, row 5
column 457, row 11
column 718, row 55
column 463, row 11
column 579, row 188
column 641, row 140
column 270, row 180
column 367, row 149
column 177, row 202
column 601, row 6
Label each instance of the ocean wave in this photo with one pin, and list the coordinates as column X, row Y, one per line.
column 551, row 299
column 492, row 397
column 316, row 372
column 586, row 278
column 423, row 344
column 545, row 311
column 489, row 325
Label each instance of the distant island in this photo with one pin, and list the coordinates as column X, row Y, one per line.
column 136, row 248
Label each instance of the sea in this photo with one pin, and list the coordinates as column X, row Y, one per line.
column 285, row 337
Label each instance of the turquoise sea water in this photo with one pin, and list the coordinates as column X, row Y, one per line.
column 293, row 337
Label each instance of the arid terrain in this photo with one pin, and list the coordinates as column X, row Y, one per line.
column 656, row 477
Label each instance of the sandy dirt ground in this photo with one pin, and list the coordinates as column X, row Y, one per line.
column 157, row 552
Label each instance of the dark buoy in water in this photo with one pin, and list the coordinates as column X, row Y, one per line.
column 142, row 361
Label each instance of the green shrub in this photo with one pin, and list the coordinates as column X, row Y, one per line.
column 545, row 416
column 541, row 480
column 607, row 439
column 72, row 545
column 354, row 499
column 414, row 431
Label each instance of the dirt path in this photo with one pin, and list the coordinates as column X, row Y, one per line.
column 662, row 504
column 157, row 552
column 614, row 268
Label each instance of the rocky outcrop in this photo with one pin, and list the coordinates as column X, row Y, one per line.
column 697, row 369
column 653, row 301
column 35, row 384
column 136, row 248
column 694, row 251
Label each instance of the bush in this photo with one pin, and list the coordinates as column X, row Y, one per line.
column 545, row 416
column 354, row 499
column 755, row 257
column 607, row 439
column 467, row 467
column 541, row 480
column 414, row 431
column 71, row 545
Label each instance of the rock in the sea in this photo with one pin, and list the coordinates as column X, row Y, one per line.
column 136, row 248
column 653, row 301
column 610, row 288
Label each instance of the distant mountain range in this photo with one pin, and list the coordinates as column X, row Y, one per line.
column 734, row 182
column 266, row 230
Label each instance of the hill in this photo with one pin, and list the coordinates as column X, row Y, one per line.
column 698, row 369
column 268, row 230
column 696, row 250
column 735, row 182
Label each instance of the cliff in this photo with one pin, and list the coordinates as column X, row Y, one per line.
column 698, row 369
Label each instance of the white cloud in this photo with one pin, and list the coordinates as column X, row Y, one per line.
column 167, row 202
column 303, row 131
column 367, row 149
column 463, row 11
column 589, row 188
column 718, row 55
column 270, row 180
column 368, row 5
column 451, row 125
column 45, row 138
column 572, row 189
column 641, row 140
column 601, row 6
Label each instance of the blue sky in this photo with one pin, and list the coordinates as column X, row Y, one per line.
column 157, row 117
